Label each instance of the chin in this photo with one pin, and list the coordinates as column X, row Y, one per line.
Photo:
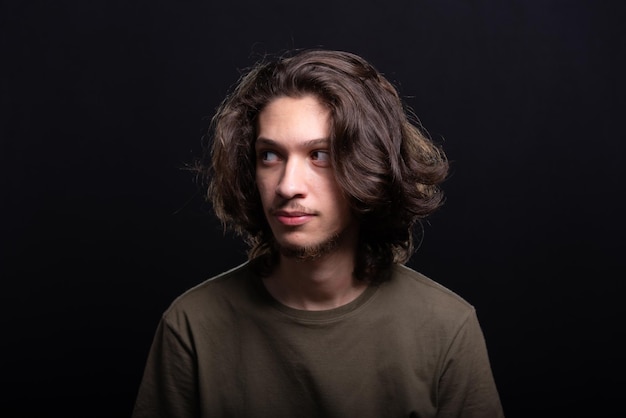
column 309, row 251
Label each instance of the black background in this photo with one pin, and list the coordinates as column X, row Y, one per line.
column 103, row 103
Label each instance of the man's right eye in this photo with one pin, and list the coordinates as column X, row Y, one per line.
column 268, row 156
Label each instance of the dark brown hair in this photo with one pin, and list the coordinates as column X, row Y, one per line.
column 383, row 160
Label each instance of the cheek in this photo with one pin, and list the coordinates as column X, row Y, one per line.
column 264, row 188
column 339, row 199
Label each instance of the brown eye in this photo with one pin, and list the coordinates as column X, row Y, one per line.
column 268, row 156
column 321, row 156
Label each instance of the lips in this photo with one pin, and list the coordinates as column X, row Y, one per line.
column 292, row 218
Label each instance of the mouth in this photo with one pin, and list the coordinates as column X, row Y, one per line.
column 292, row 218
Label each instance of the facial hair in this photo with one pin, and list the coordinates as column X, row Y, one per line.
column 311, row 252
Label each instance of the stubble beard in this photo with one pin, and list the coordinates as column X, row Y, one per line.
column 311, row 252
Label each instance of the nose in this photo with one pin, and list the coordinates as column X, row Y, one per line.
column 292, row 183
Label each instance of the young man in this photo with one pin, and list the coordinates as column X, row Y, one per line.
column 315, row 161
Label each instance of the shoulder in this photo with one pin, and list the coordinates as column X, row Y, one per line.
column 223, row 282
column 213, row 296
column 406, row 276
column 423, row 296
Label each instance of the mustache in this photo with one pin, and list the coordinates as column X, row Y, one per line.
column 291, row 207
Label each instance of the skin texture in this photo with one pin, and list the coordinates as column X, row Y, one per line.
column 308, row 214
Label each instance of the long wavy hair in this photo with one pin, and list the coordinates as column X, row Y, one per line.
column 383, row 159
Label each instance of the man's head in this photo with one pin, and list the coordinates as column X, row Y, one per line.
column 307, row 211
column 384, row 166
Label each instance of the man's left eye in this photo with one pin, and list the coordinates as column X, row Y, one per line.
column 320, row 156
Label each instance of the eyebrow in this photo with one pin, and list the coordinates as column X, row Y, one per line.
column 307, row 144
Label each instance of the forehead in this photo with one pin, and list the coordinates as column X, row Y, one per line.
column 294, row 119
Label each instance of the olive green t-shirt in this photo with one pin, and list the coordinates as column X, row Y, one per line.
column 406, row 348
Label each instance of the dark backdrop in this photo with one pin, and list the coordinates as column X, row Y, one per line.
column 103, row 103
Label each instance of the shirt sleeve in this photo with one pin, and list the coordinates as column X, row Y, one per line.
column 168, row 388
column 466, row 386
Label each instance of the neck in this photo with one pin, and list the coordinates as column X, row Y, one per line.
column 324, row 283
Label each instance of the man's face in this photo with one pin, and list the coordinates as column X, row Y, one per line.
column 306, row 210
